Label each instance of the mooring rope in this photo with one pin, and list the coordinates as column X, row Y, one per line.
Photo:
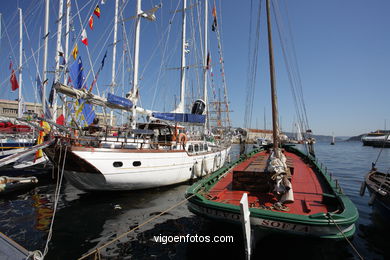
column 97, row 250
column 56, row 199
column 346, row 238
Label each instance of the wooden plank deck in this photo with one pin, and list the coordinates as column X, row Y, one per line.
column 308, row 192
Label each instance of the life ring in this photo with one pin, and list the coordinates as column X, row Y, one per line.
column 182, row 138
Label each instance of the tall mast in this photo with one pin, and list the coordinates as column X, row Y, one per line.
column 183, row 59
column 113, row 84
column 58, row 49
column 136, row 60
column 67, row 32
column 275, row 126
column 205, row 60
column 20, row 63
column 44, row 73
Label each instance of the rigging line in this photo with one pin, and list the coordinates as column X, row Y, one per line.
column 222, row 62
column 164, row 54
column 89, row 56
column 249, row 58
column 383, row 146
column 295, row 59
column 224, row 79
column 197, row 57
column 287, row 62
column 295, row 75
column 56, row 199
column 9, row 41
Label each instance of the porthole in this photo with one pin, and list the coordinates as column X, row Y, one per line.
column 136, row 163
column 117, row 164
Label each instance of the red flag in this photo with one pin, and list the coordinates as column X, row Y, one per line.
column 91, row 22
column 14, row 81
column 60, row 120
column 84, row 38
column 97, row 11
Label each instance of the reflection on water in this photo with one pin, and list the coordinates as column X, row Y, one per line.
column 87, row 220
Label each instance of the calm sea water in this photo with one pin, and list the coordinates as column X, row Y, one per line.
column 84, row 221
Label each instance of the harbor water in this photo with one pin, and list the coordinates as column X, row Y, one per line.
column 84, row 221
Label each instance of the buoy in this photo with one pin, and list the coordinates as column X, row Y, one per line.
column 363, row 188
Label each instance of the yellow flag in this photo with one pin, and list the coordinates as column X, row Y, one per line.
column 75, row 51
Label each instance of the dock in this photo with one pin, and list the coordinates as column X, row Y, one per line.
column 10, row 250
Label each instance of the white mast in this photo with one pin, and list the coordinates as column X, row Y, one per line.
column 180, row 107
column 58, row 49
column 44, row 73
column 134, row 95
column 20, row 63
column 205, row 60
column 113, row 84
column 67, row 32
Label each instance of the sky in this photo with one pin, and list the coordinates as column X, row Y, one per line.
column 342, row 50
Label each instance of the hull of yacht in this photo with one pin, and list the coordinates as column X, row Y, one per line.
column 103, row 169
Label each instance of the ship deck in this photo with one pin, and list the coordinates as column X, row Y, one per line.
column 307, row 188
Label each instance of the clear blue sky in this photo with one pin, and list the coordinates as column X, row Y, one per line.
column 342, row 47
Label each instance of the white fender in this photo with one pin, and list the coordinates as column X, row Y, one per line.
column 204, row 167
column 198, row 169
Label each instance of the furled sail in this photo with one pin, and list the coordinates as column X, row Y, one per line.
column 181, row 117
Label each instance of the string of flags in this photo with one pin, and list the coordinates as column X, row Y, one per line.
column 84, row 37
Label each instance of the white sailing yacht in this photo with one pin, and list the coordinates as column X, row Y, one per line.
column 157, row 153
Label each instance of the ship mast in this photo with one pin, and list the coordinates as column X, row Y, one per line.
column 205, row 68
column 58, row 49
column 113, row 83
column 44, row 73
column 20, row 113
column 134, row 94
column 275, row 126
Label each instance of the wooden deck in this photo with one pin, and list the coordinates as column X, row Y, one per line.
column 308, row 192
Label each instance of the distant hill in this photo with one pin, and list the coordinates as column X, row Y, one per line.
column 355, row 138
column 327, row 138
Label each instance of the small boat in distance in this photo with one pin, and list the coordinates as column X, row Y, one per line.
column 333, row 140
column 288, row 191
column 261, row 142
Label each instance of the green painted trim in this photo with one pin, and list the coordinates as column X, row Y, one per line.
column 348, row 216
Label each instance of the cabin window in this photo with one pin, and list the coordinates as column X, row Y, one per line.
column 136, row 163
column 117, row 164
column 190, row 148
column 196, row 147
column 201, row 147
column 206, row 148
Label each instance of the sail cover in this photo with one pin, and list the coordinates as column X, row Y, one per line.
column 120, row 101
column 181, row 117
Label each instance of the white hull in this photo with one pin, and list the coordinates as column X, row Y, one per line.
column 156, row 169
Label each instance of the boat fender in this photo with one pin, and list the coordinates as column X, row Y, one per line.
column 363, row 188
column 197, row 169
column 288, row 196
column 204, row 170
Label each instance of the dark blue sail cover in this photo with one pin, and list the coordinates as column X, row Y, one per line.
column 120, row 101
column 181, row 117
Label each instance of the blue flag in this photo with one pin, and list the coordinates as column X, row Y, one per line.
column 76, row 72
